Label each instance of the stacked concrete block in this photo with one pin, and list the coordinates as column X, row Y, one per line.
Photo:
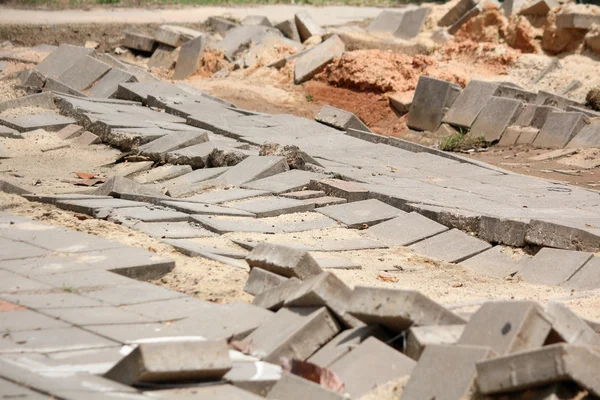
column 433, row 98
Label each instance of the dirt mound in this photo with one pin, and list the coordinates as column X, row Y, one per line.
column 556, row 40
column 211, row 62
column 489, row 26
column 392, row 72
column 520, row 34
column 496, row 58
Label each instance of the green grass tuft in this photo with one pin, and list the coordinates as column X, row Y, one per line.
column 461, row 141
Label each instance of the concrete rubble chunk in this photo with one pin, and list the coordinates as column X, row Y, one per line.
column 386, row 21
column 289, row 29
column 293, row 333
column 445, row 372
column 313, row 61
column 406, row 229
column 293, row 387
column 283, row 260
column 577, row 20
column 163, row 57
column 61, row 59
column 568, row 327
column 419, row 338
column 370, row 364
column 559, row 129
column 411, row 23
column 251, row 169
column 361, row 214
column 539, row 7
column 175, row 361
column 432, row 99
column 174, row 36
column 340, row 119
column 8, row 187
column 351, row 191
column 307, row 27
column 507, row 327
column 553, row 266
column 496, row 261
column 139, row 41
column 261, row 280
column 456, row 12
column 46, row 121
column 83, row 74
column 158, row 148
column 274, row 298
column 257, row 20
column 398, row 310
column 239, row 39
column 469, row 103
column 221, row 25
column 497, row 114
column 452, row 246
column 535, row 368
column 189, row 58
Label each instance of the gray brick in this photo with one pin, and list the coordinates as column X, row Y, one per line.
column 283, row 260
column 293, row 387
column 497, row 114
column 61, row 59
column 307, row 27
column 419, row 338
column 311, row 62
column 190, row 56
column 568, row 327
column 340, row 119
column 432, row 99
column 452, row 246
column 469, row 103
column 261, row 280
column 553, row 266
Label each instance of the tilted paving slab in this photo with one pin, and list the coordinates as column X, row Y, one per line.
column 370, row 364
column 553, row 266
column 173, row 309
column 174, row 35
column 326, row 201
column 497, row 114
column 304, row 194
column 568, row 327
column 335, row 263
column 253, row 168
column 133, row 293
column 307, row 26
column 311, row 62
column 61, row 59
column 108, row 85
column 497, row 261
column 139, row 41
column 451, row 246
column 164, row 56
column 507, row 326
column 406, row 229
column 516, row 93
column 274, row 298
column 78, row 280
column 176, row 186
column 162, row 173
column 273, row 207
column 283, row 260
column 411, row 23
column 398, row 309
column 172, row 230
column 149, row 214
column 238, row 38
column 469, row 103
column 445, row 372
column 84, row 73
column 10, row 133
column 556, row 363
column 587, row 137
column 289, row 29
column 586, row 277
column 507, row 231
column 45, row 121
column 206, row 209
column 432, row 99
column 91, row 207
column 197, row 156
column 559, row 129
column 351, row 191
column 241, row 224
column 159, row 147
column 40, row 100
column 420, row 337
column 456, row 12
column 117, row 186
column 340, row 119
column 562, row 235
column 189, row 58
column 260, row 280
column 193, row 249
column 361, row 213
column 287, row 181
column 551, row 99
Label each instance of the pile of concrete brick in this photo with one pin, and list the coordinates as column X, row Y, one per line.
column 503, row 113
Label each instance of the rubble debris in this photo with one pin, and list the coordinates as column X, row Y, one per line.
column 189, row 57
column 315, row 59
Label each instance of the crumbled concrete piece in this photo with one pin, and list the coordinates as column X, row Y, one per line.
column 261, row 280
column 311, row 62
column 40, row 100
column 456, row 12
column 445, row 372
column 553, row 266
column 85, row 139
column 550, row 99
column 158, row 148
column 398, row 309
column 253, row 168
column 530, row 369
column 289, row 29
column 83, row 74
column 267, row 47
column 539, row 7
column 527, row 135
column 257, row 20
column 293, row 387
column 174, row 361
column 432, row 99
column 507, row 326
column 497, row 114
column 291, row 180
column 559, row 129
column 61, row 59
column 164, row 57
column 189, row 58
column 469, row 103
column 340, row 119
column 307, row 27
column 27, row 123
column 587, row 137
column 293, row 333
column 411, row 23
column 371, row 363
column 361, row 214
column 587, row 277
column 70, row 132
column 401, row 102
column 452, row 246
column 350, row 191
column 273, row 207
column 274, row 298
column 162, row 173
column 568, row 327
column 174, row 36
column 496, row 261
column 420, row 337
column 138, row 41
column 406, row 229
column 286, row 261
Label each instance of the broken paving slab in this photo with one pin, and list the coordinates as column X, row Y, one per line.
column 406, row 229
column 238, row 38
column 10, row 133
column 452, row 246
column 162, row 173
column 507, row 326
column 398, row 309
column 194, row 249
column 171, row 230
column 559, row 129
column 412, row 22
column 497, row 261
column 307, row 26
column 189, row 58
column 158, row 148
column 420, row 337
column 315, row 59
column 340, row 119
column 587, row 277
column 196, row 156
column 370, row 364
column 222, row 196
column 149, row 214
column 469, row 103
column 562, row 235
column 40, row 100
column 85, row 139
column 538, row 367
column 553, row 266
column 351, row 191
column 273, row 206
column 497, row 114
column 108, row 85
column 289, row 29
column 84, row 73
column 568, row 327
column 70, row 132
column 432, row 99
column 292, row 180
column 550, row 99
column 456, row 12
column 283, row 260
column 118, row 185
column 93, row 206
column 174, row 187
column 61, row 59
column 206, row 209
column 274, row 298
column 45, row 121
column 139, row 41
column 445, row 372
column 293, row 333
column 253, row 168
column 361, row 213
column 164, row 57
column 325, row 201
column 265, row 49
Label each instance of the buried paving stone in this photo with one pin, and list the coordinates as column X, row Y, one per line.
column 209, row 392
column 206, row 209
column 531, row 369
column 172, row 230
column 162, row 173
column 456, row 12
column 293, row 387
column 507, row 327
column 469, row 103
column 149, row 214
column 8, row 187
column 273, row 207
column 163, row 57
column 174, row 141
column 170, row 362
column 588, row 136
column 287, row 181
column 189, row 58
column 497, row 261
column 361, row 213
column 194, row 249
column 40, row 100
column 445, row 372
column 45, row 121
column 261, row 280
column 251, row 169
column 283, row 260
column 495, row 117
column 553, row 266
column 398, row 309
column 559, row 129
column 91, row 207
column 335, row 263
column 452, row 246
column 293, row 333
column 84, row 73
column 420, row 337
column 10, row 133
column 406, row 229
column 432, row 99
column 568, row 327
column 351, row 191
column 311, row 62
column 307, row 26
column 370, row 364
column 235, row 224
column 273, row 299
column 340, row 119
